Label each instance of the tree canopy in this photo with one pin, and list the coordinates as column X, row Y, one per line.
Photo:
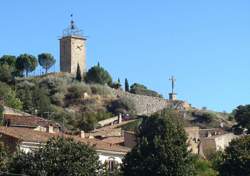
column 126, row 85
column 3, row 157
column 8, row 59
column 60, row 156
column 46, row 60
column 8, row 68
column 9, row 96
column 236, row 158
column 242, row 116
column 26, row 62
column 161, row 148
column 99, row 75
column 140, row 89
column 78, row 73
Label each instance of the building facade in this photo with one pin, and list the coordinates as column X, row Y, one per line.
column 72, row 50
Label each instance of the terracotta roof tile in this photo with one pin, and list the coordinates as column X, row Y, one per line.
column 29, row 135
column 27, row 121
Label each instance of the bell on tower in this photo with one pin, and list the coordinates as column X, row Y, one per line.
column 72, row 49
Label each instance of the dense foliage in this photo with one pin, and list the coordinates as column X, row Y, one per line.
column 4, row 157
column 99, row 75
column 46, row 60
column 143, row 90
column 26, row 62
column 126, row 85
column 8, row 68
column 9, row 96
column 236, row 158
column 242, row 117
column 161, row 148
column 203, row 167
column 60, row 156
column 123, row 105
column 78, row 73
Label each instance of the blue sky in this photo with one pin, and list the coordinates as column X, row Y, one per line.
column 205, row 44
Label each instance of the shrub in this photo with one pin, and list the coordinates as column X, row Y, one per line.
column 9, row 96
column 59, row 156
column 77, row 91
column 99, row 75
column 143, row 90
column 100, row 89
column 123, row 105
column 236, row 160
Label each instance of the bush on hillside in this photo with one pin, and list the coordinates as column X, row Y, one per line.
column 77, row 91
column 143, row 90
column 100, row 90
column 9, row 97
column 99, row 75
column 123, row 105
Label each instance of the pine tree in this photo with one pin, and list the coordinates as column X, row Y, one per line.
column 78, row 73
column 126, row 85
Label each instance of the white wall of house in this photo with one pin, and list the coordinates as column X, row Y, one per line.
column 222, row 141
column 105, row 156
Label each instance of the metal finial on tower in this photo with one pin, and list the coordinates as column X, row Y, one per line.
column 72, row 23
column 172, row 95
column 72, row 30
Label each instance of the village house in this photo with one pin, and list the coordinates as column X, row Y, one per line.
column 29, row 140
column 200, row 141
column 32, row 122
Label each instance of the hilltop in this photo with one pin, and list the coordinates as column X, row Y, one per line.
column 80, row 105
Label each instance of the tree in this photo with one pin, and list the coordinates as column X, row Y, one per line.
column 116, row 84
column 46, row 60
column 60, row 156
column 25, row 96
column 41, row 101
column 6, row 73
column 203, row 167
column 123, row 105
column 9, row 96
column 140, row 89
column 8, row 59
column 126, row 85
column 99, row 75
column 161, row 148
column 236, row 158
column 26, row 62
column 3, row 157
column 242, row 116
column 8, row 68
column 78, row 73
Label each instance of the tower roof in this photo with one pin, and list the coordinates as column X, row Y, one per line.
column 72, row 30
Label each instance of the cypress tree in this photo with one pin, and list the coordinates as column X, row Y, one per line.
column 126, row 85
column 78, row 73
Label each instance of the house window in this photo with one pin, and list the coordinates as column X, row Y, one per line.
column 111, row 164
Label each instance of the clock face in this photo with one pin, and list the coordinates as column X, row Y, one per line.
column 79, row 47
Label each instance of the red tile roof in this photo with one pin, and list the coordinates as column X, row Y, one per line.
column 27, row 121
column 29, row 135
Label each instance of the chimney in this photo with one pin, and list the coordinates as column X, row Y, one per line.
column 82, row 134
column 119, row 118
column 51, row 129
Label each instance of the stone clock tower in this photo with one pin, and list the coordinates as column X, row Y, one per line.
column 72, row 50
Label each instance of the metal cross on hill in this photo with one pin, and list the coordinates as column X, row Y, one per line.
column 173, row 80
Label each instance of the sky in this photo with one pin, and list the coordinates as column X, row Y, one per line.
column 204, row 44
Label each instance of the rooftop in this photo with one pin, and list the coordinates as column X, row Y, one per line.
column 29, row 135
column 27, row 121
